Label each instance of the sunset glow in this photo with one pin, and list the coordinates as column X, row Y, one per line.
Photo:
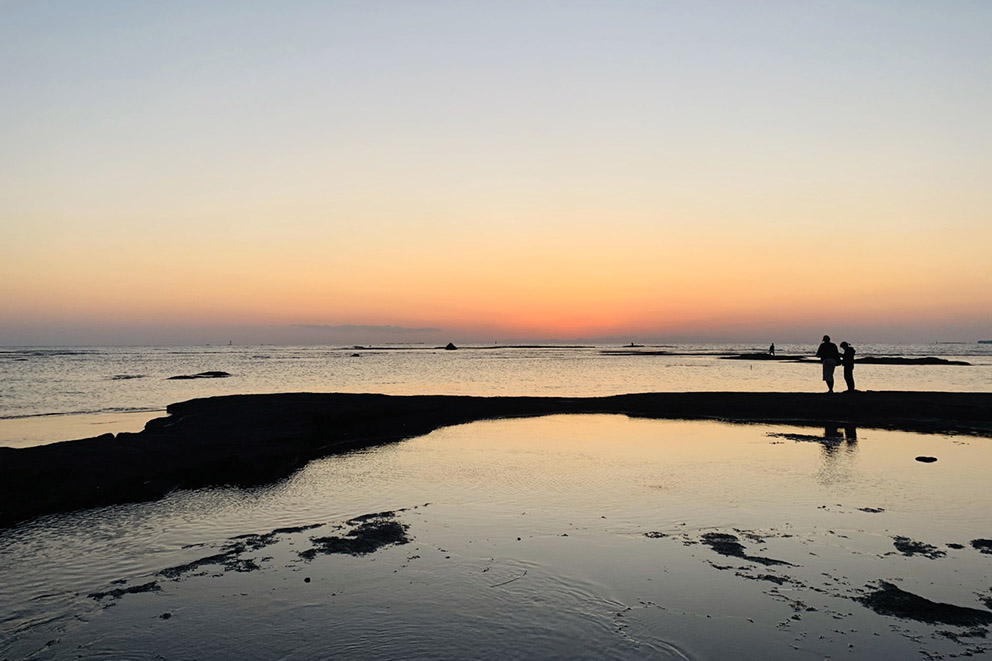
column 495, row 171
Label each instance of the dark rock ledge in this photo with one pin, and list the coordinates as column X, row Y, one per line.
column 256, row 439
column 201, row 375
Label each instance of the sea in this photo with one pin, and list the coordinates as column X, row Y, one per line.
column 565, row 536
column 50, row 394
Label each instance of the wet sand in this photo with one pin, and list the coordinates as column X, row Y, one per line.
column 256, row 439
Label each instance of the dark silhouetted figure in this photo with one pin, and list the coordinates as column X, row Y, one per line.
column 771, row 349
column 847, row 360
column 829, row 356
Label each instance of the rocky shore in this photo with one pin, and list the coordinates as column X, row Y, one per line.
column 791, row 358
column 256, row 439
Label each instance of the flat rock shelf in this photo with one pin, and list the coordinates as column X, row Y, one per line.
column 256, row 439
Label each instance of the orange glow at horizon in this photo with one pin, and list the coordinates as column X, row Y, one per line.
column 500, row 173
column 541, row 283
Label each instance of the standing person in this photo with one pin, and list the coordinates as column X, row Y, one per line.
column 771, row 349
column 829, row 356
column 847, row 360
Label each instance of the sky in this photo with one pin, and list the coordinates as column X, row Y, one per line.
column 189, row 172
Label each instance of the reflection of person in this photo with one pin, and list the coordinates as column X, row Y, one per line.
column 847, row 360
column 833, row 438
column 829, row 356
column 771, row 349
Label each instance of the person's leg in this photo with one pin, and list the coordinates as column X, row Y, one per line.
column 849, row 377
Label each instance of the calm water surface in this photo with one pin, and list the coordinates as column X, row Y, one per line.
column 562, row 536
column 49, row 395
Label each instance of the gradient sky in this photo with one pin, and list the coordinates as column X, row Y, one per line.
column 197, row 171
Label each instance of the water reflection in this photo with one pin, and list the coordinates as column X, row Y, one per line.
column 565, row 536
column 832, row 432
column 834, row 438
column 839, row 446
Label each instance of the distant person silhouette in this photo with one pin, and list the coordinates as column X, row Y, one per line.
column 771, row 349
column 829, row 356
column 847, row 360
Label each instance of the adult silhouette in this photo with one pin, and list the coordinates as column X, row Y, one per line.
column 829, row 357
column 847, row 360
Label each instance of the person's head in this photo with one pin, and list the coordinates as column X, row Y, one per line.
column 844, row 345
column 826, row 338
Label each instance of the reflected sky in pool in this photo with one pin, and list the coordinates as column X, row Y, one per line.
column 587, row 536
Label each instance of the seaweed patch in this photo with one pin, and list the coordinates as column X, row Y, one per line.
column 771, row 578
column 908, row 547
column 729, row 545
column 117, row 593
column 229, row 558
column 369, row 533
column 983, row 545
column 888, row 599
column 372, row 532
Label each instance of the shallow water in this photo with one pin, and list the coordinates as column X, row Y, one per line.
column 50, row 394
column 561, row 536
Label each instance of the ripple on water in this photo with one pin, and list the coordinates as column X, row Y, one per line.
column 564, row 536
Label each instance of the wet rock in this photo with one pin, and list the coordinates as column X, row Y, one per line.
column 761, row 356
column 871, row 510
column 771, row 578
column 888, row 599
column 219, row 559
column 292, row 529
column 373, row 532
column 926, row 460
column 229, row 559
column 724, row 544
column 729, row 545
column 983, row 545
column 628, row 352
column 201, row 375
column 654, row 534
column 808, row 438
column 908, row 547
column 957, row 636
column 257, row 439
column 371, row 517
column 241, row 565
column 901, row 360
column 117, row 593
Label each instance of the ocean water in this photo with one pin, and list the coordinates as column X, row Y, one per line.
column 579, row 537
column 54, row 394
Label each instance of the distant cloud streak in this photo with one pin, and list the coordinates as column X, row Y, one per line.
column 359, row 328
